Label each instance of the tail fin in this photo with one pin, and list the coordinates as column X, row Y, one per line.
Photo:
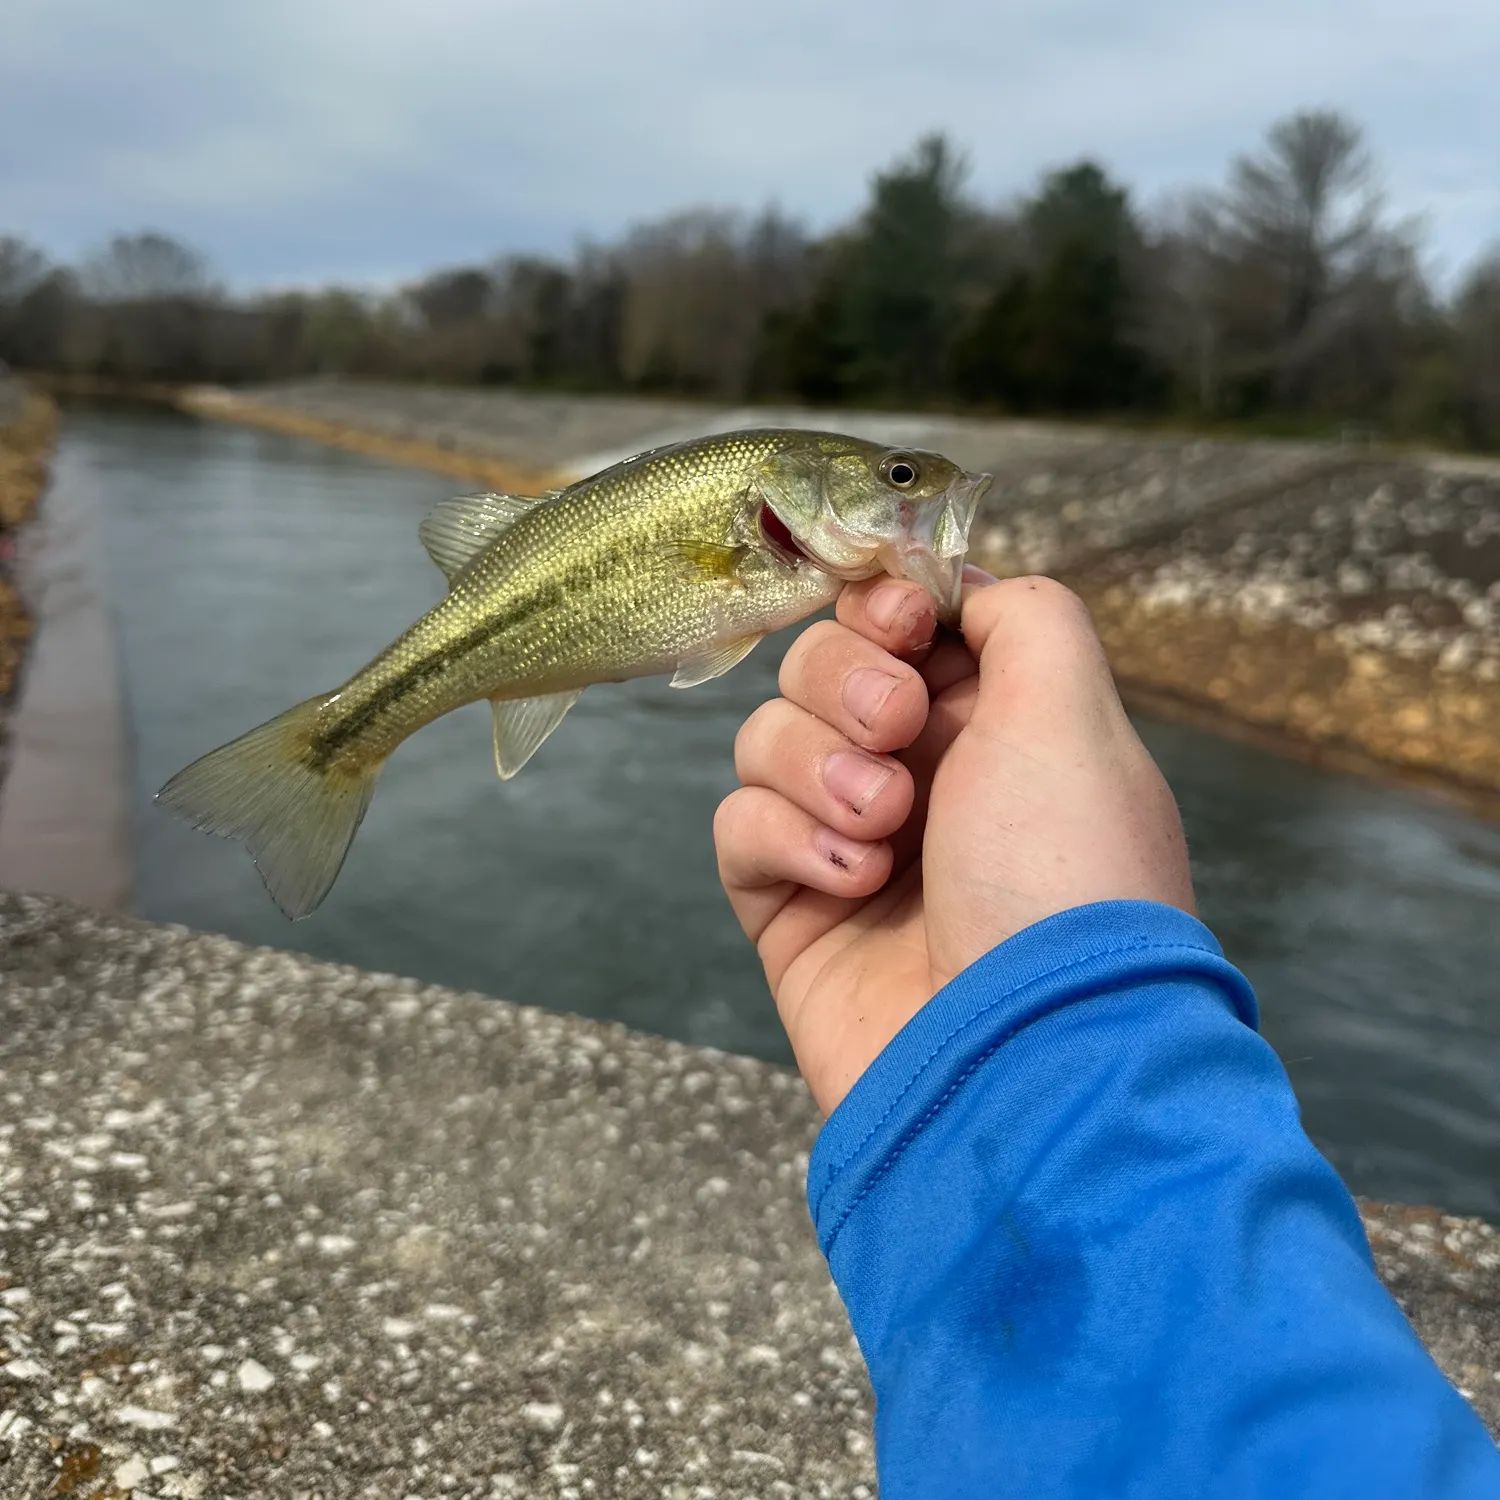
column 296, row 817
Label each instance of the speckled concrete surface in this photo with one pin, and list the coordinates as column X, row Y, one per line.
column 1357, row 608
column 270, row 1227
column 294, row 1229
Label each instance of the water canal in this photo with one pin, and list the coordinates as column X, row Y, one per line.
column 248, row 570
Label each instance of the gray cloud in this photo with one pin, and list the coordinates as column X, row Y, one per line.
column 373, row 138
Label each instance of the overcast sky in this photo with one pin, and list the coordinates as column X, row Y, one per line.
column 309, row 140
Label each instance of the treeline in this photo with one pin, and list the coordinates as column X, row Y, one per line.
column 1287, row 296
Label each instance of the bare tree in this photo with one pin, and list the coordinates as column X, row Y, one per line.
column 1183, row 280
column 1303, row 219
column 1476, row 316
column 698, row 288
column 138, row 267
column 22, row 267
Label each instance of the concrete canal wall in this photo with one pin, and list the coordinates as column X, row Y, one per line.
column 64, row 808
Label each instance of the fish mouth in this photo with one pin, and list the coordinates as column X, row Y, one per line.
column 932, row 552
column 777, row 536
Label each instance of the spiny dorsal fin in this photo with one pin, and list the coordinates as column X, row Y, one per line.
column 456, row 530
column 521, row 724
column 714, row 662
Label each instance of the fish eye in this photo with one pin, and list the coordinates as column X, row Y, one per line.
column 901, row 472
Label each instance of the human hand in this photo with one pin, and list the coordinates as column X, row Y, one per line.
column 907, row 806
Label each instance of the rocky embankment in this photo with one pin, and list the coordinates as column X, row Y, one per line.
column 272, row 1227
column 28, row 426
column 1339, row 602
column 1356, row 613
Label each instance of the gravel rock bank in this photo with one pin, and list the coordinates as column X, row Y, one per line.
column 271, row 1227
column 1358, row 607
column 1060, row 494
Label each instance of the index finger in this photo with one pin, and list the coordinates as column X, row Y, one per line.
column 897, row 615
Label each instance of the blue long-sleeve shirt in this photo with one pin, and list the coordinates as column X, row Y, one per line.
column 1088, row 1250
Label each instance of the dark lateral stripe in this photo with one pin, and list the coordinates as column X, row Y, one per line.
column 327, row 744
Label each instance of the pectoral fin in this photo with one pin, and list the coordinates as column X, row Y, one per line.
column 521, row 724
column 709, row 559
column 457, row 530
column 715, row 662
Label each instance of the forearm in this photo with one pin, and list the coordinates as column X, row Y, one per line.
column 1088, row 1250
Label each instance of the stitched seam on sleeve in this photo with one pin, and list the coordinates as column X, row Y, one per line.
column 919, row 1125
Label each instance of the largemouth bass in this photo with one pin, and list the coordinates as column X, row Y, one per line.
column 678, row 560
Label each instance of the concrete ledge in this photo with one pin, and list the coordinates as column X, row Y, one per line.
column 307, row 1230
column 271, row 1227
column 65, row 800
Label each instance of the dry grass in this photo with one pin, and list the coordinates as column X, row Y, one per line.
column 26, row 441
column 230, row 406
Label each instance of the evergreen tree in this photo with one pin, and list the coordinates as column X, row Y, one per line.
column 1057, row 333
column 898, row 300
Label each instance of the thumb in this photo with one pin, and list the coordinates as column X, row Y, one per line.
column 1040, row 660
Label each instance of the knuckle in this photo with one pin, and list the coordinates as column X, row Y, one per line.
column 818, row 635
column 732, row 817
column 1048, row 598
column 794, row 664
column 807, row 658
column 756, row 734
column 1033, row 609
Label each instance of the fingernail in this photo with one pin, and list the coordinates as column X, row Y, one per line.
column 882, row 607
column 855, row 779
column 865, row 692
column 842, row 853
column 977, row 577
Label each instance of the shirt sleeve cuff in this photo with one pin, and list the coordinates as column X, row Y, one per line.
column 1075, row 955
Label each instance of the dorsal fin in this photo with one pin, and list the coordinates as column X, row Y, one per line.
column 456, row 530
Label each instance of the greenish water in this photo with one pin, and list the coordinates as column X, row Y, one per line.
column 250, row 570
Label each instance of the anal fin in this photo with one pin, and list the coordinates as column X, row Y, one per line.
column 713, row 662
column 521, row 724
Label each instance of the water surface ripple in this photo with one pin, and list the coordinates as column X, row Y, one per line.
column 249, row 570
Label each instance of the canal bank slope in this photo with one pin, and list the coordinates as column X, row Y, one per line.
column 1333, row 603
column 28, row 428
column 275, row 1227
